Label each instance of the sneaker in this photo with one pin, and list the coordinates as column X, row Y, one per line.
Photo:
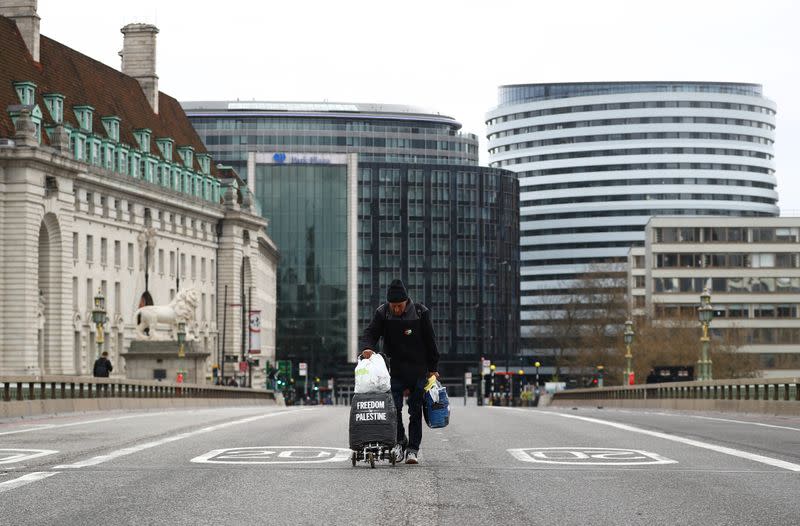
column 411, row 458
column 398, row 451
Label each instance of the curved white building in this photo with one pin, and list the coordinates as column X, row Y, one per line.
column 597, row 160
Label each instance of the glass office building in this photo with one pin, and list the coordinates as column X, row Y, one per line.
column 597, row 160
column 307, row 213
column 419, row 208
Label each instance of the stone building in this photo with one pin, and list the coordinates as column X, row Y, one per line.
column 104, row 185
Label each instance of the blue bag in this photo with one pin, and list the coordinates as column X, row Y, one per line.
column 436, row 406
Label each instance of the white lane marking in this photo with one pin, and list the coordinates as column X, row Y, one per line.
column 595, row 456
column 745, row 422
column 681, row 415
column 10, row 456
column 274, row 455
column 25, row 479
column 44, row 427
column 147, row 445
column 675, row 438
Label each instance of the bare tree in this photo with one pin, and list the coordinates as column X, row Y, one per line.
column 675, row 341
column 602, row 294
column 560, row 333
column 728, row 361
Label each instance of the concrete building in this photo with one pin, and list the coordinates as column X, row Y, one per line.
column 751, row 267
column 597, row 160
column 394, row 191
column 105, row 186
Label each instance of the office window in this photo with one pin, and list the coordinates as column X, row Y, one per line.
column 117, row 297
column 89, row 249
column 89, row 294
column 130, row 255
column 117, row 254
column 103, row 251
column 75, row 246
column 171, row 262
column 161, row 261
column 75, row 293
column 194, row 267
column 183, row 265
column 203, row 269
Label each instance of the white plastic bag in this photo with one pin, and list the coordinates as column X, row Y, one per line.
column 372, row 376
column 432, row 388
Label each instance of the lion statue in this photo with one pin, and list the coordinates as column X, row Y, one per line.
column 180, row 309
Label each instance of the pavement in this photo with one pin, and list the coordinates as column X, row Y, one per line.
column 491, row 465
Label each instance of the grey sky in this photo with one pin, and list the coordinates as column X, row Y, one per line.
column 450, row 56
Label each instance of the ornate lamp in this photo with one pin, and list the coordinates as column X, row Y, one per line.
column 705, row 313
column 628, row 337
column 99, row 318
column 181, row 338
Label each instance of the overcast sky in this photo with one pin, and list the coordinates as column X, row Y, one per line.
column 450, row 56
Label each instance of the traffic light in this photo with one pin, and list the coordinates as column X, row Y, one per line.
column 316, row 383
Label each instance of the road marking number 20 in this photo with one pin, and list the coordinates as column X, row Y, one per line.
column 274, row 455
column 589, row 456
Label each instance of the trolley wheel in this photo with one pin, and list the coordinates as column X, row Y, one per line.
column 353, row 458
column 371, row 459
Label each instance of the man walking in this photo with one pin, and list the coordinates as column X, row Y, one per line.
column 410, row 344
column 102, row 366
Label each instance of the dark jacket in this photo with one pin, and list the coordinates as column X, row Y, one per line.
column 102, row 367
column 408, row 340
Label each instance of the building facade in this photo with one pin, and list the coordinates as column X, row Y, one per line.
column 597, row 160
column 107, row 188
column 751, row 267
column 410, row 201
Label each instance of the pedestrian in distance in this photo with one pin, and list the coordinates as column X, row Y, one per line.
column 410, row 344
column 102, row 366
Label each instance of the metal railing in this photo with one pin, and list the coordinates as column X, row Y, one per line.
column 22, row 388
column 764, row 389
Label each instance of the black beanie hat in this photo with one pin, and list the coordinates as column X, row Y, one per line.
column 397, row 292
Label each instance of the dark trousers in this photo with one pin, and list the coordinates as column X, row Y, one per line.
column 416, row 391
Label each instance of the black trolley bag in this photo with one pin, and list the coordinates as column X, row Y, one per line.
column 373, row 420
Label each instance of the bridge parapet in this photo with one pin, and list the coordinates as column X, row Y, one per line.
column 758, row 395
column 32, row 395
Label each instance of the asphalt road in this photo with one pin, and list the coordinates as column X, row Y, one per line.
column 490, row 466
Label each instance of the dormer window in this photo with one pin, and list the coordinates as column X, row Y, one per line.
column 165, row 145
column 55, row 105
column 205, row 163
column 111, row 125
column 35, row 115
column 143, row 138
column 26, row 91
column 84, row 116
column 187, row 156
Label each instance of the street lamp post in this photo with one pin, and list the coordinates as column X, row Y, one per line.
column 491, row 384
column 181, row 351
column 628, row 335
column 537, row 365
column 99, row 318
column 705, row 312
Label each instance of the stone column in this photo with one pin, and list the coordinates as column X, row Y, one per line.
column 229, row 261
column 20, row 298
